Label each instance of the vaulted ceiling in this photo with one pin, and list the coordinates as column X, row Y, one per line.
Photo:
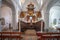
column 24, row 1
column 24, row 4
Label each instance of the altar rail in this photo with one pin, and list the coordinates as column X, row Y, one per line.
column 17, row 36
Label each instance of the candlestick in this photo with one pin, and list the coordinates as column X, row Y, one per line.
column 41, row 26
column 19, row 27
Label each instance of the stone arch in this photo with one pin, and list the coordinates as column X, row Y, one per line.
column 11, row 5
column 51, row 4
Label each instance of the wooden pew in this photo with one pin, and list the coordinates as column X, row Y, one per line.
column 49, row 36
column 17, row 35
column 11, row 35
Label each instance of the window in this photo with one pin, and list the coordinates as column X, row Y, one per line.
column 54, row 21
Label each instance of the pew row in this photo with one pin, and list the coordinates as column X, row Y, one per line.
column 49, row 36
column 10, row 35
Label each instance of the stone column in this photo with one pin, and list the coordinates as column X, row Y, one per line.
column 19, row 26
column 14, row 15
column 46, row 20
column 0, row 15
column 0, row 7
column 14, row 23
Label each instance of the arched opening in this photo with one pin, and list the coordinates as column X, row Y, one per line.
column 9, row 7
column 54, row 17
column 47, row 16
column 6, row 13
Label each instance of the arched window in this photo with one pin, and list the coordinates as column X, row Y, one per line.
column 54, row 21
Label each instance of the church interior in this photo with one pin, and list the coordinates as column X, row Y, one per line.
column 29, row 19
